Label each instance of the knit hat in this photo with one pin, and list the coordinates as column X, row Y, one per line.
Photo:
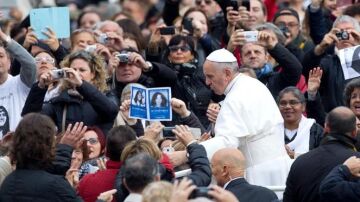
column 286, row 11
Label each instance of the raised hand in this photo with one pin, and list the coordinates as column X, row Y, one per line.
column 74, row 134
column 125, row 112
column 45, row 80
column 72, row 76
column 213, row 111
column 52, row 40
column 182, row 190
column 183, row 134
column 30, row 38
column 153, row 131
column 314, row 80
column 179, row 107
column 267, row 39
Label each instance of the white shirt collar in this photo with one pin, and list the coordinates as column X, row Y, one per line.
column 231, row 181
column 231, row 84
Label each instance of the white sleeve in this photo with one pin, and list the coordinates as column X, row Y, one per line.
column 219, row 142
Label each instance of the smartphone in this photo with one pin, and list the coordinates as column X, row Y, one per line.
column 251, row 36
column 167, row 30
column 187, row 24
column 167, row 132
column 234, row 4
column 200, row 192
column 58, row 74
column 246, row 4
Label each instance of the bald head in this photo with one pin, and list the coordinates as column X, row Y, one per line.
column 231, row 157
column 341, row 120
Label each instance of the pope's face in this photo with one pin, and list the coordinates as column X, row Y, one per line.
column 215, row 77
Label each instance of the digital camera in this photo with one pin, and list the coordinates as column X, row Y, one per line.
column 58, row 74
column 103, row 38
column 123, row 57
column 342, row 35
column 90, row 48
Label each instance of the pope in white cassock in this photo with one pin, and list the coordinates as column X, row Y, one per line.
column 247, row 121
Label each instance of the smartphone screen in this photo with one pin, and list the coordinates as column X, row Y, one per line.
column 167, row 30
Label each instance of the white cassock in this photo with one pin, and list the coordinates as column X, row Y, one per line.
column 248, row 121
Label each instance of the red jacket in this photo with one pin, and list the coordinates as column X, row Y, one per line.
column 92, row 185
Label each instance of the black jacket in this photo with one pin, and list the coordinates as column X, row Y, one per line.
column 246, row 192
column 340, row 185
column 36, row 185
column 332, row 81
column 308, row 170
column 199, row 164
column 62, row 161
column 94, row 109
column 289, row 75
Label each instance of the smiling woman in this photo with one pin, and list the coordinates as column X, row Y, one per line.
column 301, row 134
column 352, row 96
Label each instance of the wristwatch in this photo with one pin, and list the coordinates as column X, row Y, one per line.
column 149, row 65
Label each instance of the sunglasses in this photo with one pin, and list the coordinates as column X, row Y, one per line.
column 44, row 59
column 92, row 141
column 182, row 48
column 207, row 2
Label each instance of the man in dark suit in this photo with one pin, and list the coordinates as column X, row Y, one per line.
column 228, row 166
column 310, row 169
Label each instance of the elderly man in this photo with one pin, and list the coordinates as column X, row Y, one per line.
column 332, row 81
column 228, row 168
column 247, row 120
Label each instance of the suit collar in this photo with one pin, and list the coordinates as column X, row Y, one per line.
column 235, row 181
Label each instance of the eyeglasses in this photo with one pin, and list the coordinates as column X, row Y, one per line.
column 44, row 59
column 92, row 141
column 292, row 103
column 207, row 2
column 182, row 48
column 290, row 25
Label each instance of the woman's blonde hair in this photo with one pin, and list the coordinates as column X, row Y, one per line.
column 159, row 191
column 141, row 145
column 96, row 64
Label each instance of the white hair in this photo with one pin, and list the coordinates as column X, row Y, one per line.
column 348, row 19
column 233, row 66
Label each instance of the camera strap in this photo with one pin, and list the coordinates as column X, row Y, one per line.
column 63, row 118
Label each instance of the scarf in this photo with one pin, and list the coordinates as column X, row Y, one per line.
column 301, row 141
column 267, row 69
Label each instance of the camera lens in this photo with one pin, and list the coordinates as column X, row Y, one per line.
column 344, row 35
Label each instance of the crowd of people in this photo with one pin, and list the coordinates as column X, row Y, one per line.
column 265, row 100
